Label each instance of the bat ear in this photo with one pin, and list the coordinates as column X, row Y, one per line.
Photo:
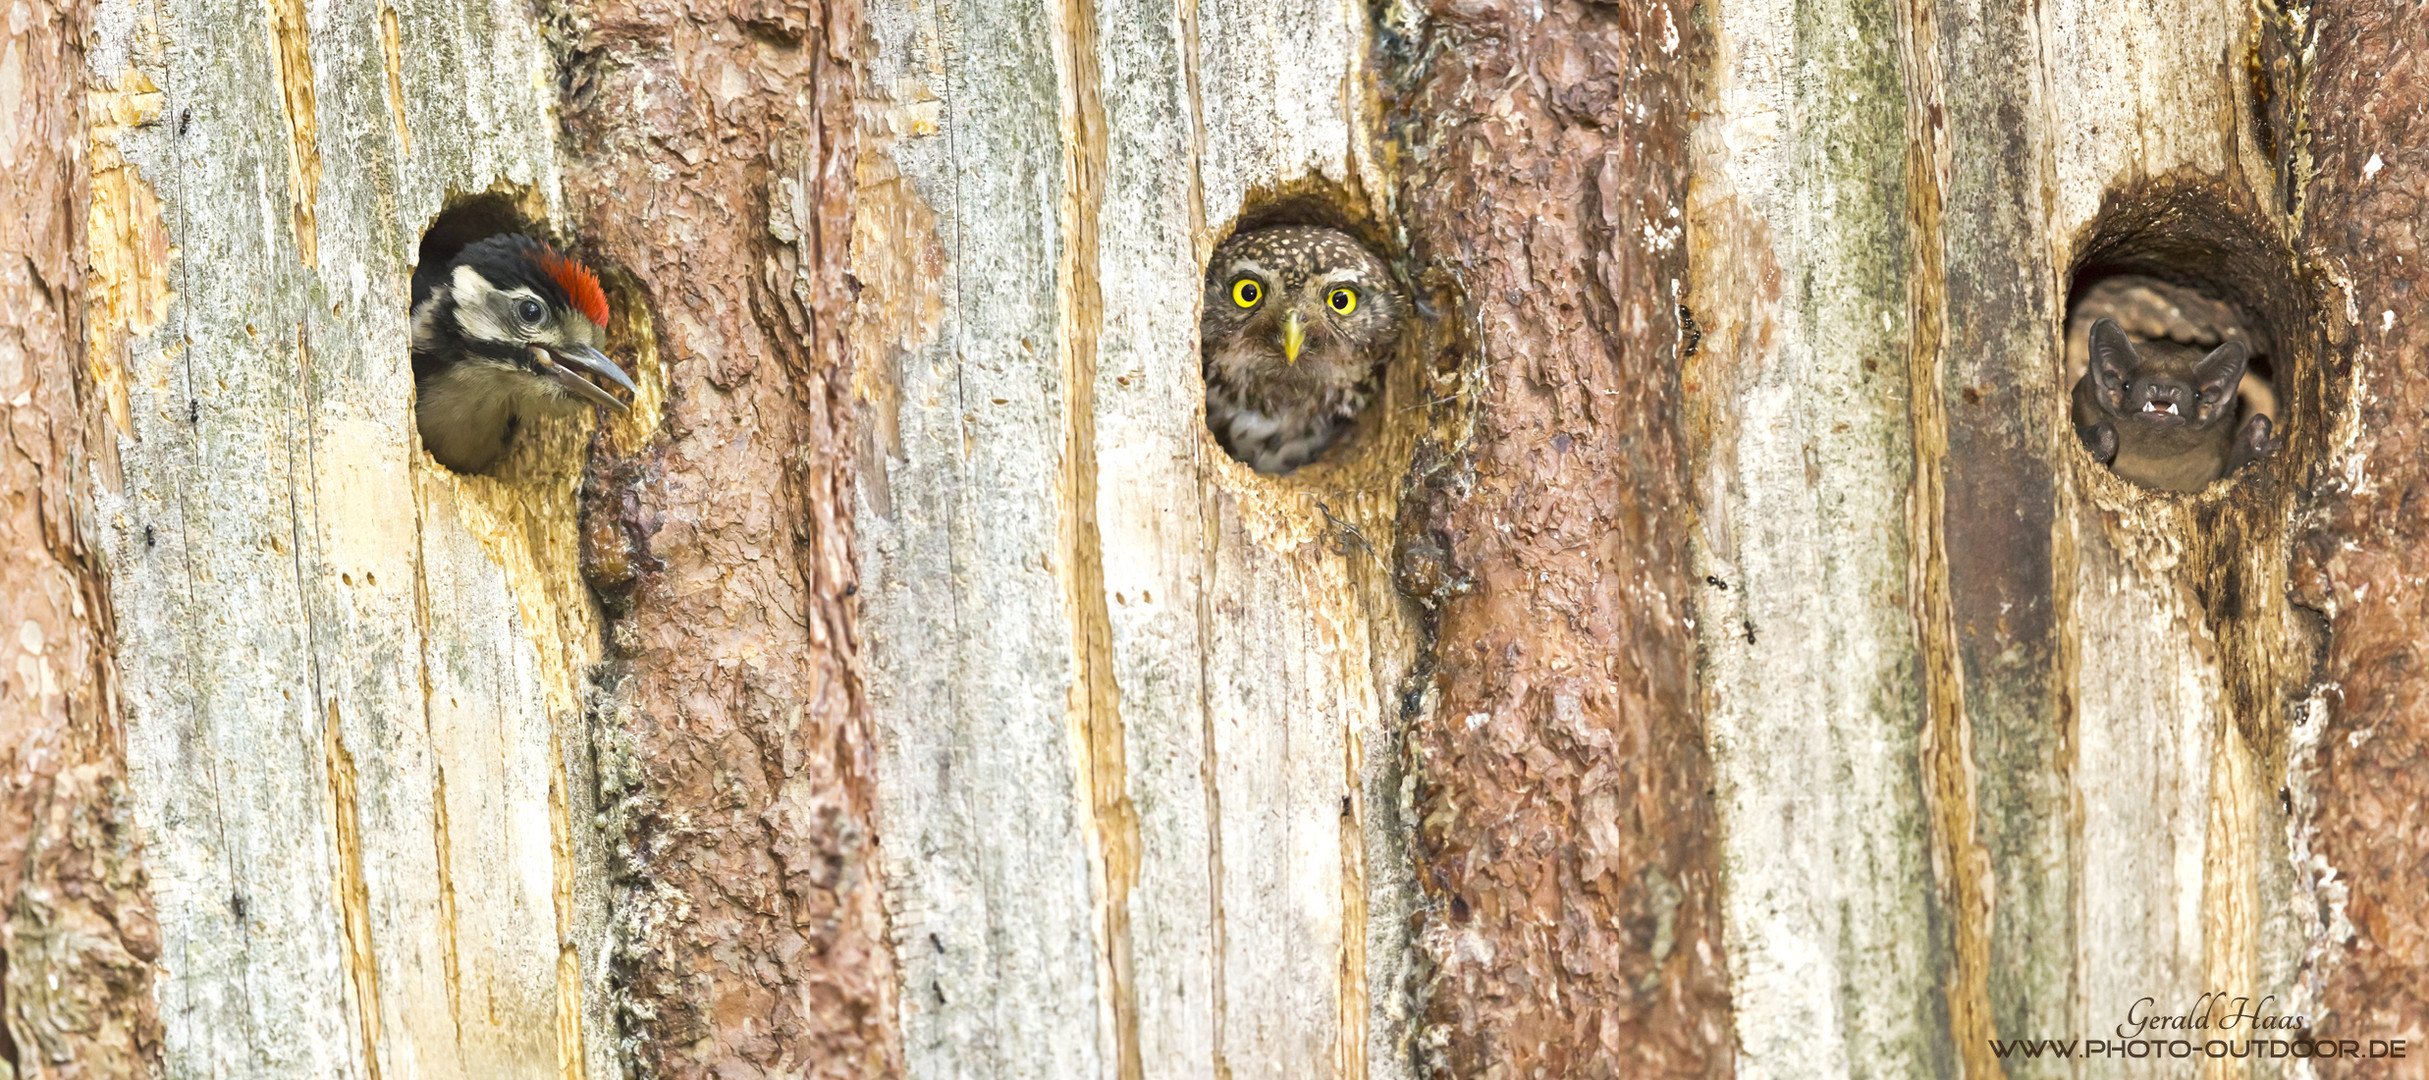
column 2113, row 354
column 2215, row 377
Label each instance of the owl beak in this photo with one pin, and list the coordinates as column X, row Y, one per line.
column 1294, row 334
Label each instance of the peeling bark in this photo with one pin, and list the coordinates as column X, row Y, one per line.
column 1565, row 822
column 713, row 154
column 1796, row 696
column 2357, row 563
column 77, row 941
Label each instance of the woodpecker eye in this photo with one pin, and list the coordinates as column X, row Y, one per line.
column 1246, row 292
column 530, row 311
column 1343, row 300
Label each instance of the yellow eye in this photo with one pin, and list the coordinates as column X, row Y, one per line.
column 1343, row 300
column 1246, row 292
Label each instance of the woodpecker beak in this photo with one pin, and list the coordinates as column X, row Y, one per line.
column 1294, row 334
column 567, row 363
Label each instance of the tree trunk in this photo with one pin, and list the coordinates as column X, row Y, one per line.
column 2361, row 750
column 1713, row 652
column 77, row 939
column 1565, row 807
column 406, row 810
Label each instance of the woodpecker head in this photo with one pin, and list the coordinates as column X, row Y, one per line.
column 509, row 329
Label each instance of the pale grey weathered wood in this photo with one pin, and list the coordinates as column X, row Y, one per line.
column 1802, row 229
column 1256, row 655
column 987, row 865
column 350, row 678
column 1803, row 493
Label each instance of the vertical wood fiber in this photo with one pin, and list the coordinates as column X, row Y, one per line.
column 1999, row 771
column 712, row 157
column 1998, row 751
column 350, row 676
column 77, row 940
column 2363, row 776
column 1999, row 296
column 982, row 770
column 1565, row 826
column 1813, row 407
column 2175, row 631
column 1134, row 700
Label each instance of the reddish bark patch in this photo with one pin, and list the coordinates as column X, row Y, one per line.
column 1566, row 832
column 2362, row 556
column 77, row 940
column 2360, row 562
column 712, row 154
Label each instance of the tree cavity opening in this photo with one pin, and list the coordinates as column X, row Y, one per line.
column 515, row 341
column 1305, row 326
column 2187, row 277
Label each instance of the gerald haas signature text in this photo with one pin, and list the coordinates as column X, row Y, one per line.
column 2212, row 1011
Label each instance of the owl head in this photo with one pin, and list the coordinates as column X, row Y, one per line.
column 1298, row 304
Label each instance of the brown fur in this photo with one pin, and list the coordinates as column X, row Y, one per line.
column 2163, row 415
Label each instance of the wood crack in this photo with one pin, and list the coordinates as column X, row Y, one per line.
column 291, row 48
column 1958, row 858
column 1094, row 704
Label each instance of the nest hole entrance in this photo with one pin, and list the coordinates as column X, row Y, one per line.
column 1260, row 408
column 2184, row 312
column 541, row 438
column 467, row 221
column 2186, row 263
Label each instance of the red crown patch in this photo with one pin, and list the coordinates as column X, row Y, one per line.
column 579, row 284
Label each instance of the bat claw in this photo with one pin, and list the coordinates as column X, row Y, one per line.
column 2255, row 441
column 2101, row 440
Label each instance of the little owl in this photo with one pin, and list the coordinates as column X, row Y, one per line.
column 1298, row 318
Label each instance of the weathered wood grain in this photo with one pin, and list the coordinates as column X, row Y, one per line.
column 1800, row 701
column 77, row 938
column 1803, row 268
column 2182, row 658
column 1134, row 700
column 1998, row 765
column 988, row 865
column 2044, row 729
column 350, row 675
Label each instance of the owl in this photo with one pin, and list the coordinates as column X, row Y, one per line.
column 1297, row 321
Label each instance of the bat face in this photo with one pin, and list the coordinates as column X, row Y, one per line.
column 2162, row 414
column 2162, row 387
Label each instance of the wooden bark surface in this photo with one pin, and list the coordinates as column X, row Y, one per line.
column 1992, row 729
column 352, row 700
column 712, row 149
column 1712, row 654
column 1134, row 701
column 1804, row 456
column 77, row 939
column 2363, row 754
column 1564, row 819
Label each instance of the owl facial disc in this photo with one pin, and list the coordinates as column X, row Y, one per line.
column 1296, row 325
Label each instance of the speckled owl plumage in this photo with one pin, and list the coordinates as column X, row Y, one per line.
column 1266, row 408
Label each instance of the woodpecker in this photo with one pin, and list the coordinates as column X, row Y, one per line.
column 508, row 330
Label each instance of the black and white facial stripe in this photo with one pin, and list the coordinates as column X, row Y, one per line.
column 508, row 331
